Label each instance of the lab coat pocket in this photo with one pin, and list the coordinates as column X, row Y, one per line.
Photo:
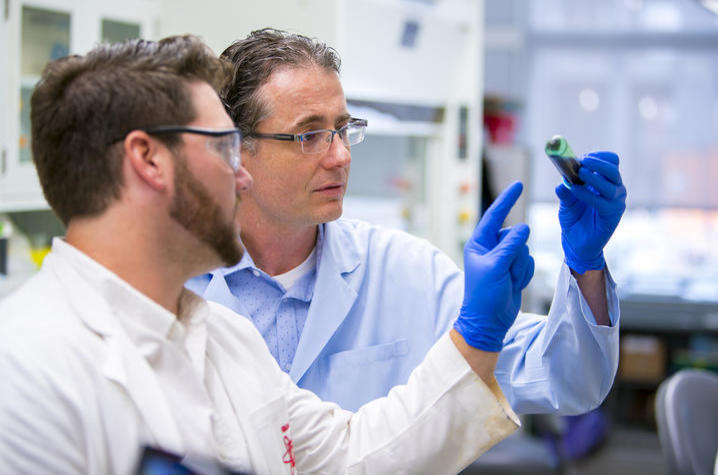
column 271, row 444
column 363, row 374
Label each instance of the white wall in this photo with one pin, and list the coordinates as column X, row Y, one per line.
column 220, row 22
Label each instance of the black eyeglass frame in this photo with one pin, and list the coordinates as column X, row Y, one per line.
column 178, row 129
column 353, row 121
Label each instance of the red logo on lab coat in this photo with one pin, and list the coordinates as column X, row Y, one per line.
column 288, row 456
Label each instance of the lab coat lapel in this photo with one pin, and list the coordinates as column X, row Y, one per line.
column 127, row 368
column 124, row 365
column 333, row 297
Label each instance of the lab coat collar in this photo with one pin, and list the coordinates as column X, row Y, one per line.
column 124, row 364
column 121, row 297
column 339, row 247
column 333, row 296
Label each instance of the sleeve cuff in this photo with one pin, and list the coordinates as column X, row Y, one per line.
column 614, row 308
column 449, row 356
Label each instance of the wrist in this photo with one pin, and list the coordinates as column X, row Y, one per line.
column 479, row 333
column 581, row 266
column 592, row 285
column 582, row 262
column 483, row 363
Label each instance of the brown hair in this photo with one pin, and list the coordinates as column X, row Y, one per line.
column 255, row 58
column 84, row 106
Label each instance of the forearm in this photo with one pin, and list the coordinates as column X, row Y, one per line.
column 592, row 284
column 482, row 362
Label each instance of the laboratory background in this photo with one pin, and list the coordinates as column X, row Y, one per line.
column 461, row 97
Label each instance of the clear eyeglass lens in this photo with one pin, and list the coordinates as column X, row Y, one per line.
column 316, row 142
column 354, row 134
column 227, row 147
column 321, row 140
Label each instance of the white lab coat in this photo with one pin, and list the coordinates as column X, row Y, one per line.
column 78, row 396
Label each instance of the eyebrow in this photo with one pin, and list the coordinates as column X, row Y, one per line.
column 316, row 118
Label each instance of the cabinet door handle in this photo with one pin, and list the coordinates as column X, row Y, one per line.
column 7, row 9
column 3, row 158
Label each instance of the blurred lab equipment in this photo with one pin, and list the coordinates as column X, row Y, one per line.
column 687, row 417
column 4, row 232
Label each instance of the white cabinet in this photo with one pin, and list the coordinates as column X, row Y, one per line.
column 35, row 32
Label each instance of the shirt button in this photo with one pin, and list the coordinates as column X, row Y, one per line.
column 255, row 272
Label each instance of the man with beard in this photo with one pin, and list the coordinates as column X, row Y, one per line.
column 348, row 309
column 104, row 350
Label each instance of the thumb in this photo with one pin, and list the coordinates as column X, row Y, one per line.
column 565, row 196
column 511, row 245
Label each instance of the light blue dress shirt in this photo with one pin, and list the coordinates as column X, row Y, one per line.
column 278, row 313
column 382, row 297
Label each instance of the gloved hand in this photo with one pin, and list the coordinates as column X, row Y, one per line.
column 589, row 213
column 497, row 267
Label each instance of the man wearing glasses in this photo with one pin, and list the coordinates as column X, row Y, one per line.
column 349, row 309
column 104, row 350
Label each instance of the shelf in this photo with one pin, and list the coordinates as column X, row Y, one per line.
column 7, row 206
column 668, row 315
column 635, row 384
column 29, row 81
column 404, row 128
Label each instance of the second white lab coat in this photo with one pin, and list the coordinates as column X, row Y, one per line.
column 78, row 397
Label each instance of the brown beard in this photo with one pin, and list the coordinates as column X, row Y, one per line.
column 195, row 210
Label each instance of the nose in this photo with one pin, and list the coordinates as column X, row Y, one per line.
column 338, row 154
column 244, row 179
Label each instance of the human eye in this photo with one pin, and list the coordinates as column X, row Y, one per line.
column 341, row 129
column 311, row 137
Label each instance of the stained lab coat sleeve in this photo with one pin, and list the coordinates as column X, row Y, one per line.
column 440, row 429
column 439, row 422
column 383, row 297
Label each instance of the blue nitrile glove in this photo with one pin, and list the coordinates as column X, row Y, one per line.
column 589, row 213
column 497, row 267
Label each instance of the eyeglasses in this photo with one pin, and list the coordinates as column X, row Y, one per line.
column 319, row 141
column 226, row 142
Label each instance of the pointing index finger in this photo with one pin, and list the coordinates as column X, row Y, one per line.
column 487, row 230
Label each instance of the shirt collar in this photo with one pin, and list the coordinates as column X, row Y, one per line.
column 245, row 262
column 248, row 263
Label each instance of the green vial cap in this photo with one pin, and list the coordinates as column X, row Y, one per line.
column 559, row 147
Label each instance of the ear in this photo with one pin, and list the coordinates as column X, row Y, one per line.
column 149, row 159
